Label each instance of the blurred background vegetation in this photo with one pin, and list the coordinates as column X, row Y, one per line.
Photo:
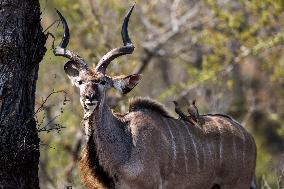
column 226, row 54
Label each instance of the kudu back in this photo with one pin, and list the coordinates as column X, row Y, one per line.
column 147, row 148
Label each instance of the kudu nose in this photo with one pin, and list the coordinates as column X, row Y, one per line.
column 90, row 97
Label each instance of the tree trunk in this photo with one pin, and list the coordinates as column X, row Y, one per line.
column 21, row 49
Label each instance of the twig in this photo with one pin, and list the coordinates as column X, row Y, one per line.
column 53, row 37
column 152, row 48
column 48, row 27
column 174, row 7
column 45, row 100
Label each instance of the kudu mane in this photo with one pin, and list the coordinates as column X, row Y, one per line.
column 147, row 103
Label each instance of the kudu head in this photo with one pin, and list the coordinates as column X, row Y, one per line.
column 93, row 83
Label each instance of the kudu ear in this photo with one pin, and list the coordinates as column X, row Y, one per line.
column 126, row 84
column 72, row 71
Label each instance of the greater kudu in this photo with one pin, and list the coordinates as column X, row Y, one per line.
column 147, row 148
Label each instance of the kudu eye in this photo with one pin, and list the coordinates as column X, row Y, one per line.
column 102, row 82
column 80, row 82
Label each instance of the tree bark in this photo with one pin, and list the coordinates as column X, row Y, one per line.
column 21, row 49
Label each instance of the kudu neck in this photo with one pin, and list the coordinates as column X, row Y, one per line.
column 110, row 137
column 103, row 118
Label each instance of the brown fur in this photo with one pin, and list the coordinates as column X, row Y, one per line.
column 92, row 174
column 147, row 103
column 91, row 75
column 88, row 175
column 222, row 115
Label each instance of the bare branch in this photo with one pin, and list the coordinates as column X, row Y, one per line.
column 174, row 21
column 153, row 48
column 44, row 100
column 169, row 34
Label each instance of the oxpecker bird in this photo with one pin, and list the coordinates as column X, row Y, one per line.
column 179, row 111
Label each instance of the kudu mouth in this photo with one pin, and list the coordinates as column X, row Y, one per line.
column 91, row 103
column 89, row 107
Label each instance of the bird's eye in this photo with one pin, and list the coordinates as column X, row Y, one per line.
column 80, row 82
column 102, row 82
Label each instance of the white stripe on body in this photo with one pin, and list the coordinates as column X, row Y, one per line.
column 183, row 144
column 194, row 147
column 242, row 132
column 220, row 142
column 234, row 143
column 209, row 150
column 173, row 141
